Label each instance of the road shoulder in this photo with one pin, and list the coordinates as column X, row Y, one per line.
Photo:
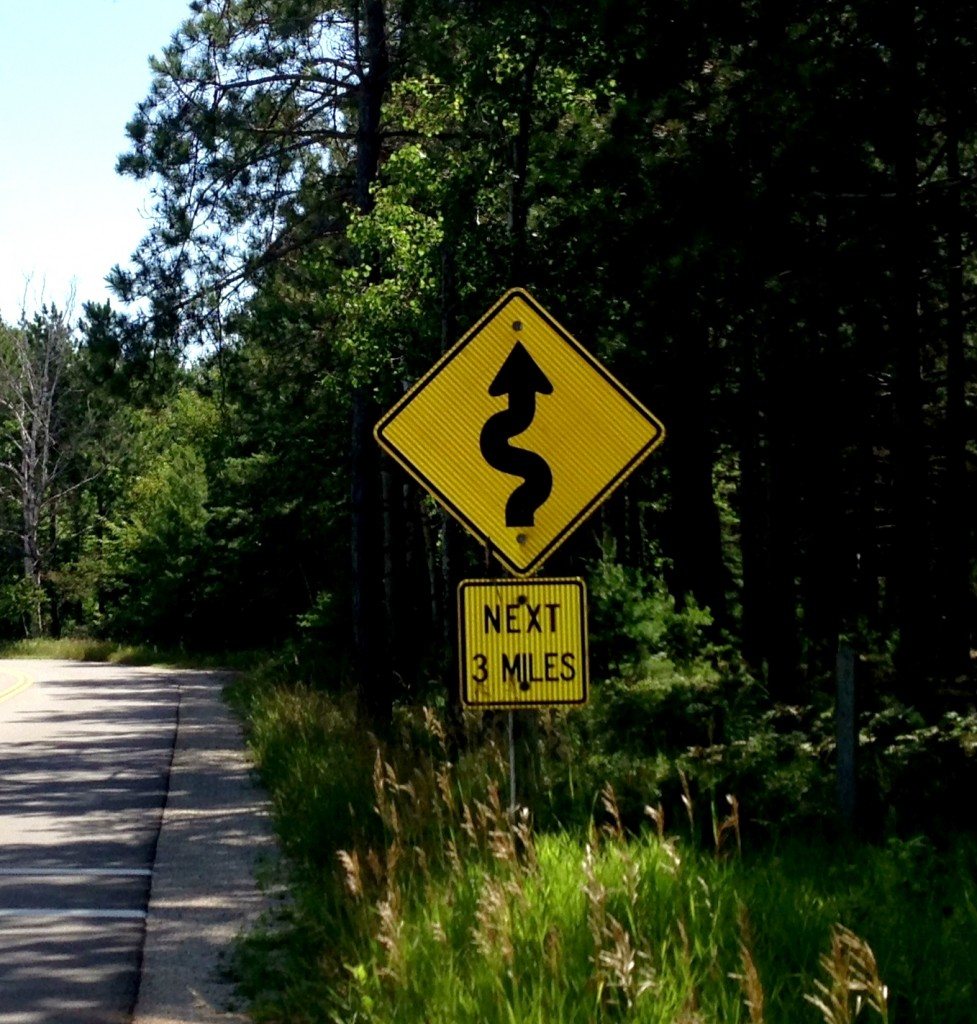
column 215, row 832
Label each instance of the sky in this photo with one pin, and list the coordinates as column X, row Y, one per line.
column 71, row 75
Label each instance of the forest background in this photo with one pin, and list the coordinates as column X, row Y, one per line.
column 759, row 215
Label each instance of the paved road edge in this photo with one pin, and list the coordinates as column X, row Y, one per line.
column 215, row 831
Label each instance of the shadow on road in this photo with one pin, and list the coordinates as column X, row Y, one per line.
column 85, row 766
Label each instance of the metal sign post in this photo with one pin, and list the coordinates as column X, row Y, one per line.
column 512, row 764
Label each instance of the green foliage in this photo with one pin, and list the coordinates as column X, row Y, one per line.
column 157, row 544
column 676, row 718
column 638, row 625
column 915, row 775
column 387, row 298
column 19, row 602
column 422, row 899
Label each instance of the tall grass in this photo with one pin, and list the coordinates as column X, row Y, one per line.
column 84, row 649
column 420, row 897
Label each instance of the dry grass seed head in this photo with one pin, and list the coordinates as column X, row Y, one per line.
column 443, row 779
column 394, row 852
column 492, row 933
column 501, row 841
column 435, row 729
column 379, row 789
column 865, row 973
column 621, row 967
column 393, row 783
column 674, row 863
column 631, row 877
column 454, row 860
column 483, row 815
column 502, row 845
column 376, row 868
column 687, row 799
column 497, row 812
column 596, row 894
column 386, row 788
column 523, row 833
column 657, row 815
column 352, row 877
column 730, row 825
column 614, row 829
column 684, row 944
column 420, row 861
column 390, row 935
column 852, row 980
column 468, row 823
column 749, row 978
column 393, row 820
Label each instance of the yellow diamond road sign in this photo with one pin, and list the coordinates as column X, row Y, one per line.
column 519, row 432
column 522, row 643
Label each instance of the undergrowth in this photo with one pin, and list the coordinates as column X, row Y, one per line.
column 418, row 896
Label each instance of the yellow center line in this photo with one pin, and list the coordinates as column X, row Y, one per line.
column 18, row 687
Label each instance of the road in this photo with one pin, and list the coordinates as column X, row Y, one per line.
column 85, row 753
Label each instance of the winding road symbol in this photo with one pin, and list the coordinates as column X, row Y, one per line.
column 519, row 432
column 522, row 380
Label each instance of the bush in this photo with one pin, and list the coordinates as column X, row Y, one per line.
column 676, row 718
column 22, row 601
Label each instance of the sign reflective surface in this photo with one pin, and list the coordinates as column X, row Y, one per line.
column 519, row 432
column 523, row 643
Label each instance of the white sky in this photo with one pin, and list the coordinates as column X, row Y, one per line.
column 71, row 74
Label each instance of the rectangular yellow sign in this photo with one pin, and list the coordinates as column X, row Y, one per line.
column 523, row 643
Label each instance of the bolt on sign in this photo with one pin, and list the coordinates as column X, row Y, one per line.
column 519, row 432
column 523, row 643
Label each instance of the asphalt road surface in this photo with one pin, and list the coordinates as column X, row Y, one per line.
column 85, row 752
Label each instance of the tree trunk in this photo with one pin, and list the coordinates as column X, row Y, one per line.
column 782, row 641
column 369, row 635
column 371, row 670
column 910, row 572
column 957, row 556
column 374, row 81
column 518, row 203
column 753, row 512
column 695, row 531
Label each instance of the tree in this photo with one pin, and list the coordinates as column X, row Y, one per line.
column 157, row 547
column 33, row 361
column 264, row 129
column 757, row 214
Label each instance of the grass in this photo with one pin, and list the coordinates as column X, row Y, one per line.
column 417, row 898
column 80, row 649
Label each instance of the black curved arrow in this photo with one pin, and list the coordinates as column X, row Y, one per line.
column 521, row 379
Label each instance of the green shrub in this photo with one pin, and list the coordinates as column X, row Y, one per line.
column 20, row 599
column 451, row 910
column 676, row 718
